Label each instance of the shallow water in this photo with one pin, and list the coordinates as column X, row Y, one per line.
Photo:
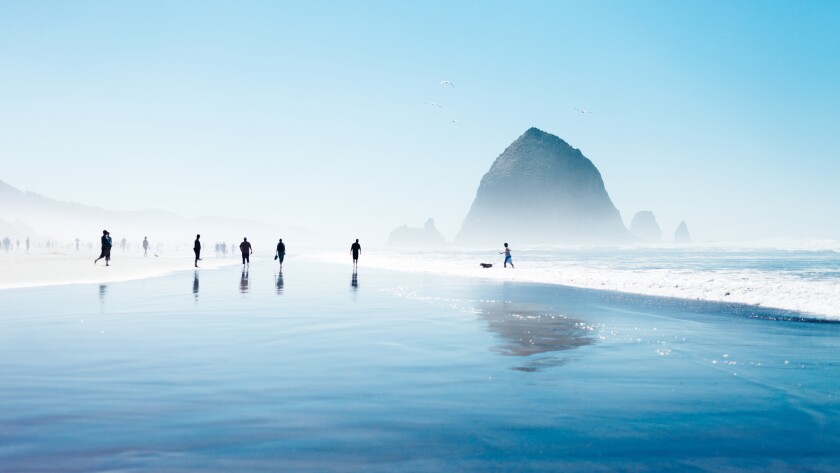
column 326, row 370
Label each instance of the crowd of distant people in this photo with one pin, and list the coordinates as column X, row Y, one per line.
column 220, row 248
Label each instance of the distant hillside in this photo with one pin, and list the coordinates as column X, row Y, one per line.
column 22, row 213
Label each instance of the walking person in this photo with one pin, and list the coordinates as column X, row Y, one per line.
column 246, row 250
column 281, row 252
column 355, row 249
column 106, row 248
column 197, row 250
column 145, row 247
column 508, row 259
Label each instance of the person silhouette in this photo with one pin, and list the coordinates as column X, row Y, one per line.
column 281, row 252
column 355, row 249
column 508, row 258
column 145, row 246
column 246, row 250
column 106, row 248
column 197, row 250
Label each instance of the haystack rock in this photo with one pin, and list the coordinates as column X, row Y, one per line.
column 645, row 227
column 416, row 237
column 542, row 191
column 681, row 236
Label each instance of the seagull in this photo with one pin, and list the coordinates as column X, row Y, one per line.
column 454, row 120
column 434, row 104
column 582, row 110
column 446, row 82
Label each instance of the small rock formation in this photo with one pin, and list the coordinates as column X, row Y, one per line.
column 681, row 236
column 542, row 191
column 645, row 227
column 416, row 237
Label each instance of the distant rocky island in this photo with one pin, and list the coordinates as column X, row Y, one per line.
column 645, row 227
column 681, row 235
column 541, row 190
column 406, row 236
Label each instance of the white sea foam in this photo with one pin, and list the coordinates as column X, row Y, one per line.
column 806, row 282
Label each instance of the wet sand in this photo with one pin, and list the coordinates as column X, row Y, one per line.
column 20, row 269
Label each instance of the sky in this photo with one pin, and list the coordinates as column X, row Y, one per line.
column 723, row 114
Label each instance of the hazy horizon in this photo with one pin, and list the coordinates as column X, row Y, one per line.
column 318, row 116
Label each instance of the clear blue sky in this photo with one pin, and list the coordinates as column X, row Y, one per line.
column 724, row 114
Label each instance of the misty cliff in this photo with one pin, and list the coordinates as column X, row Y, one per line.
column 542, row 190
column 27, row 214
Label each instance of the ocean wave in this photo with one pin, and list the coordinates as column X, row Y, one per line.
column 807, row 284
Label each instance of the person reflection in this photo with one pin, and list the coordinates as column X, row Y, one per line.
column 280, row 282
column 103, row 289
column 243, row 283
column 354, row 281
column 195, row 285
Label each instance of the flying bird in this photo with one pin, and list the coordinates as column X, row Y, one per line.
column 582, row 110
column 433, row 104
column 446, row 82
column 454, row 120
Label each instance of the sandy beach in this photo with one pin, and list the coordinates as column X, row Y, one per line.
column 19, row 269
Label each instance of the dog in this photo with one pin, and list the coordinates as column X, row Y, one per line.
column 486, row 265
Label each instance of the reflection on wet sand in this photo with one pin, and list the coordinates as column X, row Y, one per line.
column 280, row 282
column 354, row 281
column 195, row 285
column 529, row 330
column 243, row 282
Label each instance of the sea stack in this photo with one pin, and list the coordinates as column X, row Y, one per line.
column 416, row 237
column 541, row 190
column 645, row 227
column 681, row 236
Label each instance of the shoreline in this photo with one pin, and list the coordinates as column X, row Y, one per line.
column 808, row 300
column 20, row 271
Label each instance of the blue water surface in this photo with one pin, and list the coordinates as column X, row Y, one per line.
column 323, row 369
